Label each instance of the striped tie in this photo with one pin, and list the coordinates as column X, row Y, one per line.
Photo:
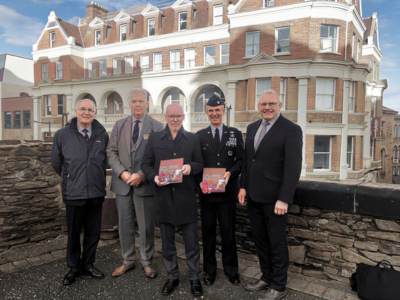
column 85, row 131
column 135, row 135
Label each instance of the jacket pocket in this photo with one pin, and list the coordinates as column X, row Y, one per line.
column 272, row 177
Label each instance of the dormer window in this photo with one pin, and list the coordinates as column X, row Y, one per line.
column 182, row 21
column 218, row 14
column 52, row 39
column 97, row 37
column 122, row 33
column 151, row 27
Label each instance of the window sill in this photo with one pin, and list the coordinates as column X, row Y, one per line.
column 329, row 52
column 249, row 57
column 282, row 54
column 55, row 79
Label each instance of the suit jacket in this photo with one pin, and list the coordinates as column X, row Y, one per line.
column 228, row 156
column 174, row 203
column 119, row 154
column 272, row 172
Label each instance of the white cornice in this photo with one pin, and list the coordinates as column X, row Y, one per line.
column 182, row 4
column 151, row 10
column 123, row 17
column 97, row 22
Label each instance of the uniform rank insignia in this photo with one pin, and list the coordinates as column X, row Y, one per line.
column 230, row 153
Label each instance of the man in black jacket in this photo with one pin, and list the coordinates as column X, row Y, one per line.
column 79, row 157
column 221, row 147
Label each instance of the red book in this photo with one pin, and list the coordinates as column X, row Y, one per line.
column 212, row 180
column 171, row 170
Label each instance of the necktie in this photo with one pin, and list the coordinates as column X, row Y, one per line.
column 85, row 131
column 135, row 135
column 262, row 133
column 217, row 138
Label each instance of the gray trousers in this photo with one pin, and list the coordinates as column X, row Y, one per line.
column 128, row 207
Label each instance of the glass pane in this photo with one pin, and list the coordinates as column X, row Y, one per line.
column 322, row 143
column 283, row 33
column 321, row 161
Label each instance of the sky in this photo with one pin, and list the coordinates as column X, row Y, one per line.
column 22, row 22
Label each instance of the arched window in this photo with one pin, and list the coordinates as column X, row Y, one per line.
column 204, row 94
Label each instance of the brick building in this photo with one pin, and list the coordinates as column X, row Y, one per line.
column 318, row 54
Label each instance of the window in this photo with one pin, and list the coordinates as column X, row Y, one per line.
column 47, row 105
column 396, row 131
column 322, row 152
column 262, row 84
column 352, row 96
column 329, row 38
column 395, row 153
column 252, row 43
column 157, row 62
column 60, row 104
column 128, row 65
column 144, row 61
column 398, row 170
column 282, row 40
column 92, row 70
column 209, row 55
column 325, row 95
column 17, row 119
column 283, row 92
column 97, row 37
column 268, row 3
column 52, row 39
column 189, row 58
column 218, row 14
column 122, row 33
column 393, row 171
column 350, row 152
column 383, row 127
column 45, row 70
column 59, row 69
column 358, row 49
column 26, row 119
column 182, row 21
column 175, row 60
column 353, row 45
column 151, row 25
column 7, row 119
column 224, row 54
column 103, row 67
column 117, row 66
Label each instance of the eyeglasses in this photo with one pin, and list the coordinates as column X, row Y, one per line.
column 88, row 110
column 141, row 102
column 270, row 104
column 173, row 117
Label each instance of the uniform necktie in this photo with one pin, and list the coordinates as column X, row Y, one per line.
column 86, row 136
column 262, row 133
column 217, row 138
column 135, row 135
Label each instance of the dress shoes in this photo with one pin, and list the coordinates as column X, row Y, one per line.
column 234, row 279
column 272, row 294
column 257, row 286
column 94, row 273
column 208, row 279
column 196, row 288
column 71, row 275
column 149, row 272
column 122, row 270
column 168, row 287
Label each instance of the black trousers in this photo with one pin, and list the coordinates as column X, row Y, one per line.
column 269, row 234
column 88, row 217
column 225, row 213
column 192, row 249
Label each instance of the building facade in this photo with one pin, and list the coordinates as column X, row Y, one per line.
column 314, row 53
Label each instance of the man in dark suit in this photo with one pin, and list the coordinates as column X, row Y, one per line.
column 221, row 147
column 134, row 194
column 175, row 204
column 270, row 173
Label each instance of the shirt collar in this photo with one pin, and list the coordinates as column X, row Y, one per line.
column 141, row 119
column 80, row 128
column 220, row 128
column 271, row 122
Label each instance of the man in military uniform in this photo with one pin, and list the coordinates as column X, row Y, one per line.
column 222, row 147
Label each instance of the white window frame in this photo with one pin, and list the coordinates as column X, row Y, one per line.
column 59, row 69
column 47, row 105
column 329, row 43
column 352, row 96
column 252, row 43
column 26, row 120
column 218, row 14
column 153, row 27
column 157, row 62
column 190, row 58
column 323, row 153
column 353, row 45
column 60, row 105
column 117, row 66
column 17, row 119
column 278, row 41
column 259, row 89
column 223, row 56
column 144, row 61
column 103, row 68
column 92, row 70
column 52, row 39
column 321, row 93
column 7, row 120
column 175, row 62
column 128, row 64
column 45, row 70
column 121, row 33
column 97, row 37
column 268, row 3
column 358, row 50
column 350, row 152
column 209, row 59
column 182, row 22
column 283, row 92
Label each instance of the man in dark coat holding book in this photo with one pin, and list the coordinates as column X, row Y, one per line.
column 221, row 147
column 175, row 204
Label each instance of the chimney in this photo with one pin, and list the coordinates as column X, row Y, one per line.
column 94, row 10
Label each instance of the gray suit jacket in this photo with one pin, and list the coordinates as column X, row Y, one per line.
column 119, row 151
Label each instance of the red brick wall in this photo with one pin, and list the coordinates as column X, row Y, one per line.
column 44, row 42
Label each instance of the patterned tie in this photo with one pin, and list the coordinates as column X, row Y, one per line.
column 262, row 133
column 85, row 131
column 135, row 135
column 217, row 139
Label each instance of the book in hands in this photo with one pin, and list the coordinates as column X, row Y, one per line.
column 171, row 170
column 213, row 181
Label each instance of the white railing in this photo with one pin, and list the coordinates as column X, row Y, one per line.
column 109, row 119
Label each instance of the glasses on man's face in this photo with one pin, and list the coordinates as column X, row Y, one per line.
column 134, row 102
column 270, row 104
column 88, row 110
column 177, row 117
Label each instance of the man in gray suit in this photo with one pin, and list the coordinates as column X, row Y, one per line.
column 133, row 192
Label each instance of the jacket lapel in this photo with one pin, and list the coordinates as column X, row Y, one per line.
column 146, row 127
column 270, row 133
column 127, row 131
column 224, row 138
column 210, row 138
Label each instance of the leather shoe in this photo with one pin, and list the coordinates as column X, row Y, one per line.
column 208, row 279
column 257, row 286
column 71, row 275
column 94, row 273
column 168, row 287
column 196, row 288
column 272, row 294
column 149, row 272
column 122, row 270
column 234, row 279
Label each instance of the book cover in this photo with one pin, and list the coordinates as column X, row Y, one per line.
column 212, row 180
column 171, row 170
